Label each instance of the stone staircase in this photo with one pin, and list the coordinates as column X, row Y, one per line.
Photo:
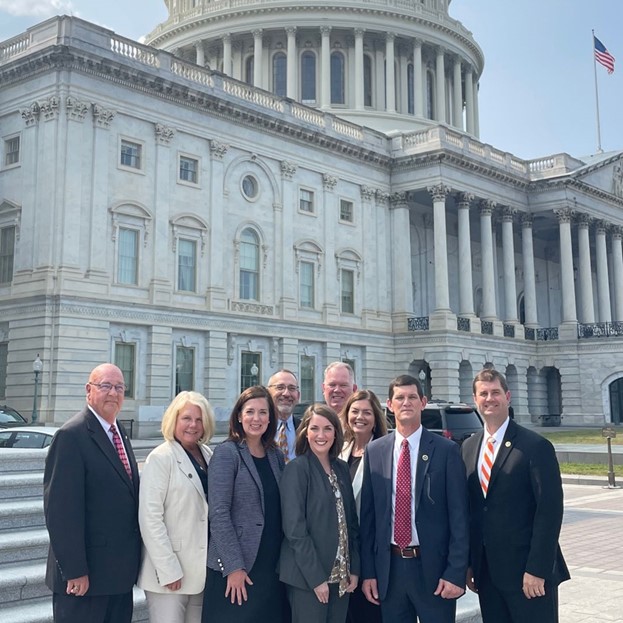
column 24, row 597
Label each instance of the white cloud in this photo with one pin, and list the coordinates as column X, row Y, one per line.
column 36, row 8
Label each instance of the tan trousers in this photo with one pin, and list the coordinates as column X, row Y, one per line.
column 174, row 608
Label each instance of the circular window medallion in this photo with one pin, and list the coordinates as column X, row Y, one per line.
column 250, row 187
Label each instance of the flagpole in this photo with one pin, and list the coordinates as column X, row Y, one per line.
column 599, row 149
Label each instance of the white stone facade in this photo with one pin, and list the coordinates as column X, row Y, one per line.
column 204, row 233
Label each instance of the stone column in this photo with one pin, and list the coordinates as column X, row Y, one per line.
column 284, row 232
column 227, row 70
column 379, row 77
column 457, row 99
column 466, row 290
column 201, row 58
column 403, row 81
column 476, row 113
column 527, row 251
column 440, row 74
column 442, row 291
column 488, row 273
column 291, row 62
column 258, row 53
column 359, row 101
column 402, row 296
column 325, row 67
column 508, row 248
column 469, row 100
column 418, row 80
column 569, row 314
column 603, row 284
column 617, row 269
column 587, row 308
column 390, row 73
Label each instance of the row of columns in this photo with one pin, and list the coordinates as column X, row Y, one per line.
column 463, row 80
column 565, row 216
column 588, row 314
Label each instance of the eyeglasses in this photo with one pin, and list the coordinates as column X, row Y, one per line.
column 282, row 388
column 106, row 387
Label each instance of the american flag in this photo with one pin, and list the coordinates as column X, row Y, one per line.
column 602, row 56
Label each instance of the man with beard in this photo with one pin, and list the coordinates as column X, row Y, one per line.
column 284, row 389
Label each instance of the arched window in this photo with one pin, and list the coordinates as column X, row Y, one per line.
column 337, row 78
column 280, row 74
column 308, row 77
column 248, row 70
column 249, row 265
column 410, row 78
column 367, row 81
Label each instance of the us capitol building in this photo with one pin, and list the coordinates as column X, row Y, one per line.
column 268, row 184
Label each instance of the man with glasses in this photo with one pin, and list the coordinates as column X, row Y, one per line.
column 284, row 389
column 338, row 385
column 91, row 509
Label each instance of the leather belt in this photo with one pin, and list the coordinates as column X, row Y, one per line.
column 413, row 551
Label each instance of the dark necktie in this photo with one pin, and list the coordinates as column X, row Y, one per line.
column 116, row 439
column 402, row 512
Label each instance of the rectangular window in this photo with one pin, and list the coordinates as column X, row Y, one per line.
column 4, row 364
column 127, row 264
column 131, row 154
column 348, row 292
column 351, row 363
column 308, row 378
column 306, row 276
column 125, row 360
column 306, row 200
column 346, row 210
column 7, row 254
column 189, row 169
column 186, row 265
column 184, row 369
column 11, row 151
column 250, row 369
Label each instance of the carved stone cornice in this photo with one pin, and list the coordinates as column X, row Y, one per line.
column 164, row 134
column 218, row 149
column 487, row 206
column 31, row 114
column 48, row 108
column 439, row 192
column 252, row 308
column 329, row 181
column 288, row 169
column 565, row 215
column 102, row 117
column 75, row 109
column 367, row 192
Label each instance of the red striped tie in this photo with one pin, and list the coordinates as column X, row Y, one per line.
column 487, row 464
column 116, row 439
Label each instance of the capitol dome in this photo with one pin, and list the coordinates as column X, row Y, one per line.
column 333, row 56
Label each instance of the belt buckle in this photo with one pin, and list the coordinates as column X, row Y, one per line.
column 407, row 552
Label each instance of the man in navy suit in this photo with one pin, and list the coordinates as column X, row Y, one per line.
column 516, row 508
column 283, row 386
column 414, row 527
column 90, row 490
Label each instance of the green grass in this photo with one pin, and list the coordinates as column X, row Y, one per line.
column 590, row 469
column 584, row 435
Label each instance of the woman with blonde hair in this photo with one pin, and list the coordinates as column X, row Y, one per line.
column 173, row 512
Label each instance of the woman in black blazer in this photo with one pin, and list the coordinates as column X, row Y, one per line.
column 245, row 517
column 319, row 559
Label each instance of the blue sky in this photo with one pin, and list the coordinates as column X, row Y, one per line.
column 537, row 93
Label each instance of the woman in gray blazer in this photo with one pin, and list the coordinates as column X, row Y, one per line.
column 245, row 517
column 319, row 559
column 174, row 477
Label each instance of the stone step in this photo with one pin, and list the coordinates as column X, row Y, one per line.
column 19, row 514
column 22, row 581
column 40, row 610
column 20, row 484
column 23, row 545
column 22, row 460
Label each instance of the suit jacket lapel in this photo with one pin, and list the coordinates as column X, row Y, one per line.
column 185, row 465
column 503, row 453
column 388, row 467
column 425, row 455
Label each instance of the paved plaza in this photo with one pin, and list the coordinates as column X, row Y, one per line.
column 593, row 547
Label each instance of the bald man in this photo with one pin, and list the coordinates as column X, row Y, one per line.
column 338, row 384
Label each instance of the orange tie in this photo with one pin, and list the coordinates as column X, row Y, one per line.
column 283, row 441
column 487, row 464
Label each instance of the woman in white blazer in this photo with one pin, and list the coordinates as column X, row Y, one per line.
column 173, row 513
column 363, row 420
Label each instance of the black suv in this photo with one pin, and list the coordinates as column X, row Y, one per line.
column 456, row 421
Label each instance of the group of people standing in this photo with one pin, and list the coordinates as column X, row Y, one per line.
column 326, row 519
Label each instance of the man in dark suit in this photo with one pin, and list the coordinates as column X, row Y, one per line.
column 414, row 527
column 91, row 509
column 516, row 507
column 283, row 386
